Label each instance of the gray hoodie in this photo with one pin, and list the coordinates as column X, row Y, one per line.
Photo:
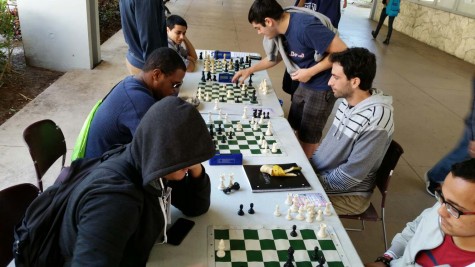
column 112, row 220
column 352, row 150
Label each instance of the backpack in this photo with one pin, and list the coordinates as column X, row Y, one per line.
column 37, row 235
column 79, row 149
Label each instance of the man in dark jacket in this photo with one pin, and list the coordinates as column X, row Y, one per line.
column 112, row 220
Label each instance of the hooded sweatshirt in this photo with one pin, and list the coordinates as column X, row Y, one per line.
column 352, row 150
column 112, row 220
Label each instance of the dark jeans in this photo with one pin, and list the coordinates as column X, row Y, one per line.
column 381, row 21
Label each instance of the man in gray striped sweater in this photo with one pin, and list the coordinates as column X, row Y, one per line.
column 350, row 154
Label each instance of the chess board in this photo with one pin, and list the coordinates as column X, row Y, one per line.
column 246, row 141
column 235, row 95
column 220, row 66
column 263, row 246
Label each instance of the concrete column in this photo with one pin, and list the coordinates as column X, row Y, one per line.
column 60, row 35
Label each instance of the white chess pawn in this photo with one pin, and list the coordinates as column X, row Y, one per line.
column 261, row 138
column 220, row 253
column 269, row 131
column 264, row 143
column 226, row 118
column 216, row 104
column 295, row 205
column 255, row 127
column 288, row 200
column 229, row 93
column 277, row 211
column 220, row 114
column 319, row 215
column 223, row 87
column 322, row 233
column 289, row 216
column 261, row 119
column 328, row 210
column 300, row 216
column 310, row 217
column 244, row 113
column 274, row 147
column 231, row 179
column 207, row 98
column 221, row 184
column 252, row 121
column 238, row 126
column 243, row 87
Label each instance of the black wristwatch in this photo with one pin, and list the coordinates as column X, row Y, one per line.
column 386, row 259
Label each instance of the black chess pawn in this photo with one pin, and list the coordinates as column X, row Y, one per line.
column 251, row 209
column 230, row 135
column 222, row 99
column 208, row 76
column 294, row 232
column 203, row 79
column 227, row 190
column 237, row 100
column 220, row 130
column 237, row 84
column 223, row 138
column 290, row 257
column 315, row 253
column 226, row 67
column 214, row 78
column 241, row 60
column 235, row 186
column 201, row 55
column 211, row 132
column 241, row 212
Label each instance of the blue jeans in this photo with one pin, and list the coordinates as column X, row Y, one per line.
column 459, row 153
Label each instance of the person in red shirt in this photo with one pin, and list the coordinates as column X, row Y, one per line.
column 443, row 234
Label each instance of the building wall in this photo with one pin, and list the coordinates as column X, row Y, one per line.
column 452, row 33
column 60, row 35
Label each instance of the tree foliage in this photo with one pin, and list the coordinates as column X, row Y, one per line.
column 8, row 19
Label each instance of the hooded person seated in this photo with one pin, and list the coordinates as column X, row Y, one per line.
column 112, row 220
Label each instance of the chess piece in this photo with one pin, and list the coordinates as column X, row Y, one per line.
column 319, row 216
column 221, row 185
column 290, row 257
column 251, row 209
column 261, row 119
column 241, row 212
column 315, row 254
column 300, row 216
column 216, row 104
column 269, row 130
column 231, row 179
column 322, row 233
column 310, row 217
column 255, row 127
column 238, row 127
column 288, row 200
column 277, row 211
column 244, row 114
column 289, row 216
column 274, row 148
column 293, row 233
column 321, row 260
column 220, row 253
column 328, row 210
column 295, row 205
column 207, row 97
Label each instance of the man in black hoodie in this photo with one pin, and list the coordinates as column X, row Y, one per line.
column 113, row 220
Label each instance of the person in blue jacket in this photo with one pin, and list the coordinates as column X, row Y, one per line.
column 390, row 10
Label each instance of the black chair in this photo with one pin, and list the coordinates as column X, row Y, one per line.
column 383, row 176
column 46, row 143
column 13, row 203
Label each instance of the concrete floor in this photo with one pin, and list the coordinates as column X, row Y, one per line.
column 430, row 89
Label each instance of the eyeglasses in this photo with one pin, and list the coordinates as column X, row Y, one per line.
column 176, row 85
column 450, row 208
